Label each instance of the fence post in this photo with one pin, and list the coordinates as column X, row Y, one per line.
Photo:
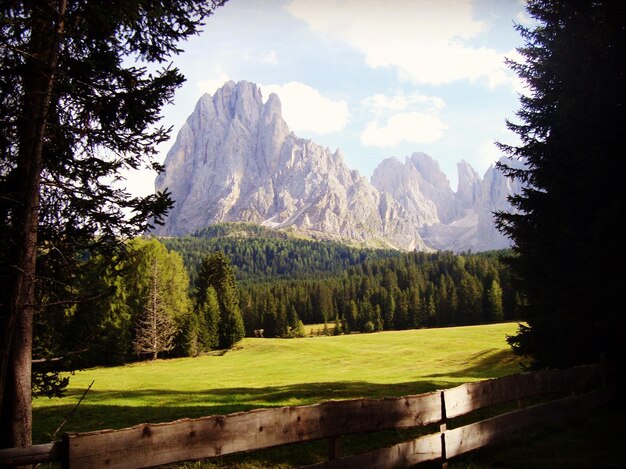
column 65, row 451
column 443, row 426
column 334, row 448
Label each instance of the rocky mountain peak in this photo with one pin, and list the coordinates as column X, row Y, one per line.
column 469, row 192
column 235, row 159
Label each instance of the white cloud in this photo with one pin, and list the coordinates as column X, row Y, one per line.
column 305, row 109
column 400, row 102
column 426, row 41
column 269, row 57
column 414, row 127
column 411, row 118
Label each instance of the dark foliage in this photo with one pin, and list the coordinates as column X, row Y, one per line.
column 407, row 291
column 284, row 281
column 216, row 273
column 565, row 228
column 76, row 109
column 257, row 252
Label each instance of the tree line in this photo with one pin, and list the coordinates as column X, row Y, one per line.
column 256, row 251
column 139, row 305
column 407, row 291
column 142, row 304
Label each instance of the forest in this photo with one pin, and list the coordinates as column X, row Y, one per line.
column 196, row 294
column 283, row 280
column 257, row 252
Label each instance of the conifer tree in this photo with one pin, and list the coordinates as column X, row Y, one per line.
column 216, row 272
column 494, row 307
column 210, row 311
column 564, row 229
column 76, row 109
column 155, row 331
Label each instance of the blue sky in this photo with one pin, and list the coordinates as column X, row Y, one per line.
column 375, row 79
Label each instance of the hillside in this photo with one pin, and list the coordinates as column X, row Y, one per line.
column 283, row 280
column 257, row 252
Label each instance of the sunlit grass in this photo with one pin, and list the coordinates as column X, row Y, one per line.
column 280, row 372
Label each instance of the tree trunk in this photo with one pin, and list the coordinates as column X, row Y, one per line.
column 15, row 363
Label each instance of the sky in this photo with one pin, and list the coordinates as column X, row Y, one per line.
column 374, row 79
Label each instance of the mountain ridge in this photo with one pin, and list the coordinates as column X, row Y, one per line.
column 235, row 159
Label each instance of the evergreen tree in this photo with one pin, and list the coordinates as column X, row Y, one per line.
column 155, row 331
column 123, row 290
column 216, row 272
column 389, row 311
column 353, row 316
column 494, row 308
column 75, row 111
column 337, row 329
column 564, row 228
column 379, row 324
column 150, row 268
column 470, row 300
column 209, row 310
column 298, row 330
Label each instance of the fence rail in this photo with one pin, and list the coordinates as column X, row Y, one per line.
column 188, row 439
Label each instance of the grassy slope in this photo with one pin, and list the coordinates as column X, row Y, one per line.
column 278, row 372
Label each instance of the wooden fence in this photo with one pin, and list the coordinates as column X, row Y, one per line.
column 189, row 439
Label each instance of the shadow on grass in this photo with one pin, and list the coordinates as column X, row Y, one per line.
column 485, row 364
column 106, row 409
column 123, row 408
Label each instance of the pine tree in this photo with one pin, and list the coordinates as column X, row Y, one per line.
column 155, row 331
column 389, row 311
column 494, row 306
column 470, row 300
column 210, row 311
column 216, row 272
column 564, row 228
column 75, row 111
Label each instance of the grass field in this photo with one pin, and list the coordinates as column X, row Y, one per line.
column 274, row 372
column 279, row 372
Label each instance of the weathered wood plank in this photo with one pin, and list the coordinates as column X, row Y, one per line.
column 486, row 432
column 28, row 455
column 405, row 454
column 472, row 396
column 154, row 444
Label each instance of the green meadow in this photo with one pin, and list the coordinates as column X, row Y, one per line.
column 279, row 372
column 285, row 372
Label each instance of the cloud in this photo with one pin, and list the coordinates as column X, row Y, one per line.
column 411, row 118
column 426, row 41
column 380, row 103
column 269, row 57
column 414, row 127
column 305, row 109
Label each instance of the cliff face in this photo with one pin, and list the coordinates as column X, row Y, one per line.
column 236, row 160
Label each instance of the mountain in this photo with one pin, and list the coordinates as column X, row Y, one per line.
column 461, row 220
column 235, row 159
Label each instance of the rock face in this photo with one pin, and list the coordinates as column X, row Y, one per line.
column 236, row 160
column 461, row 221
